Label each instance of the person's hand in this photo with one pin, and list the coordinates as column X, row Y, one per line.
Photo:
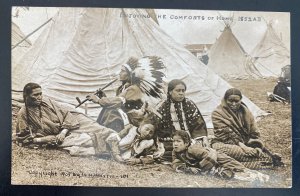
column 194, row 170
column 93, row 98
column 158, row 153
column 201, row 140
column 132, row 161
column 100, row 93
column 160, row 150
column 60, row 138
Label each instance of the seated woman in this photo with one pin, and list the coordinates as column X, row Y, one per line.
column 139, row 145
column 179, row 113
column 43, row 122
column 236, row 133
column 197, row 159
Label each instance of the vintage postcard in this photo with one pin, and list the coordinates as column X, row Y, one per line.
column 113, row 97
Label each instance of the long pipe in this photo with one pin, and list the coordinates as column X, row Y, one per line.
column 80, row 103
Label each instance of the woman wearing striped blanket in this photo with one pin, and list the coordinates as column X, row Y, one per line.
column 236, row 133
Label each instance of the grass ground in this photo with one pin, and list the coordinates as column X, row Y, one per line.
column 53, row 167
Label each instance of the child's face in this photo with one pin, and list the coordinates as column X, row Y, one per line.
column 178, row 144
column 147, row 131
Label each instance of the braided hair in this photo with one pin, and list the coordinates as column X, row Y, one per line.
column 171, row 86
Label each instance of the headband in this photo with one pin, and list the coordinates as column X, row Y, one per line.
column 127, row 67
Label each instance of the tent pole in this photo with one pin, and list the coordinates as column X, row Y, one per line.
column 30, row 34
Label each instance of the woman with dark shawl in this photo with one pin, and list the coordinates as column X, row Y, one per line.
column 138, row 77
column 179, row 113
column 236, row 133
column 43, row 122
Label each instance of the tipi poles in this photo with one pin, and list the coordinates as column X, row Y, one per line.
column 31, row 34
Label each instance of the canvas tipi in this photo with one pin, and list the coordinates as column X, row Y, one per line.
column 270, row 54
column 83, row 49
column 18, row 36
column 228, row 58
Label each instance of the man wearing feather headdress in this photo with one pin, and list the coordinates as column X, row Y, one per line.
column 139, row 77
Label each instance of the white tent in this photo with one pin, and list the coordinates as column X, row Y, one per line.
column 16, row 37
column 83, row 49
column 228, row 58
column 270, row 54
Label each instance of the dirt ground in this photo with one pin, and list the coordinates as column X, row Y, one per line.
column 53, row 167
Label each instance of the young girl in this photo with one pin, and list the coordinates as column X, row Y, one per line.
column 138, row 145
column 197, row 159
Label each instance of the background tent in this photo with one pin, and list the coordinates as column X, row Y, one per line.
column 270, row 54
column 228, row 58
column 83, row 49
column 17, row 36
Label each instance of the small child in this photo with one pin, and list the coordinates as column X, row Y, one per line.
column 196, row 159
column 138, row 144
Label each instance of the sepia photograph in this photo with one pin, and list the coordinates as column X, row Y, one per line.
column 163, row 98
